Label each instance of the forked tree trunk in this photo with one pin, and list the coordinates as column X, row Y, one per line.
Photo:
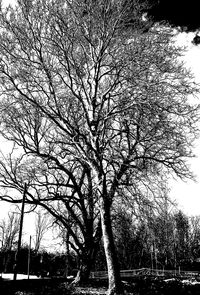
column 115, row 286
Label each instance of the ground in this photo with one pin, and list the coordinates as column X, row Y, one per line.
column 135, row 286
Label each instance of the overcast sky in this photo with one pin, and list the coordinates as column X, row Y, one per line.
column 188, row 194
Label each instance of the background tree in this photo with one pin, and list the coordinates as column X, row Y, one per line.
column 9, row 230
column 194, row 238
column 181, row 237
column 124, row 231
column 161, row 227
column 42, row 225
column 96, row 108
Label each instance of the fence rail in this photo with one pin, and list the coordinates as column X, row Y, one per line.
column 146, row 272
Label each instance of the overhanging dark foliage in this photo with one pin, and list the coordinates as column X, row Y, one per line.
column 179, row 13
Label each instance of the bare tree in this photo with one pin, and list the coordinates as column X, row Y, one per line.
column 42, row 225
column 95, row 106
column 194, row 237
column 71, row 208
column 9, row 230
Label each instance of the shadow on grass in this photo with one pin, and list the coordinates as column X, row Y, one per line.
column 134, row 286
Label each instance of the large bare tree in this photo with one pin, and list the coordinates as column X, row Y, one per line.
column 72, row 206
column 95, row 103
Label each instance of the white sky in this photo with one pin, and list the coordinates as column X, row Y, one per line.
column 186, row 194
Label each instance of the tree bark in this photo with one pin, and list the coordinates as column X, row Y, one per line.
column 83, row 273
column 115, row 286
column 85, row 266
column 88, row 257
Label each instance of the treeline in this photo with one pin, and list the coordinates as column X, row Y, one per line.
column 165, row 241
column 42, row 263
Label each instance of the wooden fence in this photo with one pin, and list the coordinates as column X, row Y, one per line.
column 147, row 272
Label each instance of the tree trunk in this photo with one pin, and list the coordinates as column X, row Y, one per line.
column 114, row 280
column 85, row 266
column 67, row 255
column 82, row 274
column 86, row 261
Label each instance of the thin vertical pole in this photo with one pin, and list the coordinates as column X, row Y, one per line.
column 151, row 262
column 20, row 235
column 29, row 258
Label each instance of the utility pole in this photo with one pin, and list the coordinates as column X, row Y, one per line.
column 29, row 258
column 20, row 235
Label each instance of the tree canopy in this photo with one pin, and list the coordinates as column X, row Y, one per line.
column 96, row 106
